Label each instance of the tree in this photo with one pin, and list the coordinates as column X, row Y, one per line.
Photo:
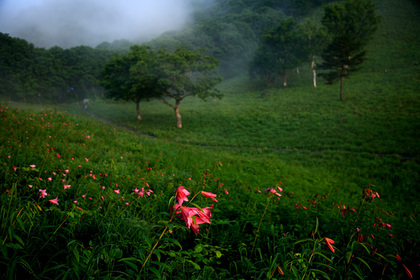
column 316, row 39
column 350, row 24
column 187, row 73
column 283, row 48
column 133, row 77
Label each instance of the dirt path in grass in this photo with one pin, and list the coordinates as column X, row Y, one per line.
column 117, row 124
column 403, row 157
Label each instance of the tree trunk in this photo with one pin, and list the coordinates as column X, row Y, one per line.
column 341, row 88
column 138, row 110
column 314, row 70
column 178, row 115
column 284, row 79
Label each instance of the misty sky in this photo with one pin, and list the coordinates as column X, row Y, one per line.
column 68, row 23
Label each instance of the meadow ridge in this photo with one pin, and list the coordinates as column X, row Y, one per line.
column 297, row 185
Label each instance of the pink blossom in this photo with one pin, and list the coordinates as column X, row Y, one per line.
column 75, row 201
column 226, row 191
column 117, row 191
column 181, row 195
column 43, row 193
column 193, row 217
column 280, row 189
column 32, row 165
column 135, row 190
column 49, row 179
column 86, row 159
column 329, row 241
column 141, row 194
column 67, row 186
column 209, row 195
column 30, row 186
column 54, row 201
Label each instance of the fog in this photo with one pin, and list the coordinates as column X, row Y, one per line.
column 67, row 23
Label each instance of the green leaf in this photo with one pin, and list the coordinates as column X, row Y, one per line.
column 198, row 248
column 174, row 241
column 348, row 256
column 218, row 254
column 316, row 225
column 317, row 271
column 157, row 253
column 364, row 262
column 196, row 266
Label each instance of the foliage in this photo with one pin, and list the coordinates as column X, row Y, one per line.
column 187, row 73
column 350, row 24
column 232, row 30
column 33, row 74
column 283, row 48
column 133, row 77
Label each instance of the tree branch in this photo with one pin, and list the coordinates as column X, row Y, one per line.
column 165, row 102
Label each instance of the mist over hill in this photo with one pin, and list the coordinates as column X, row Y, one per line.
column 48, row 23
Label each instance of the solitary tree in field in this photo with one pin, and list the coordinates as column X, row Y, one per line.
column 133, row 77
column 350, row 24
column 187, row 73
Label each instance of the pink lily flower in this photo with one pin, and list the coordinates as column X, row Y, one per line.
column 67, row 186
column 32, row 165
column 54, row 201
column 329, row 241
column 181, row 195
column 209, row 195
column 43, row 193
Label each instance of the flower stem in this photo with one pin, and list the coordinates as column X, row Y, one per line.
column 258, row 230
column 151, row 251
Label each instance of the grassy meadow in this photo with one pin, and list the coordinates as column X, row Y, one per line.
column 308, row 186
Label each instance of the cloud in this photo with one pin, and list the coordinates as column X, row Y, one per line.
column 68, row 23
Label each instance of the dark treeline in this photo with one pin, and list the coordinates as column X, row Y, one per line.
column 32, row 74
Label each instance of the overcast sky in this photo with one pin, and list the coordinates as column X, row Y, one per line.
column 68, row 23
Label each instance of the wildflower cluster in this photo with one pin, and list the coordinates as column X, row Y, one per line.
column 193, row 216
column 368, row 194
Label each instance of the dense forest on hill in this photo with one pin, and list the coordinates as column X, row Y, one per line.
column 229, row 30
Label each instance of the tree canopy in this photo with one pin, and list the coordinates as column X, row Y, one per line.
column 143, row 74
column 187, row 73
column 133, row 77
column 283, row 47
column 350, row 24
